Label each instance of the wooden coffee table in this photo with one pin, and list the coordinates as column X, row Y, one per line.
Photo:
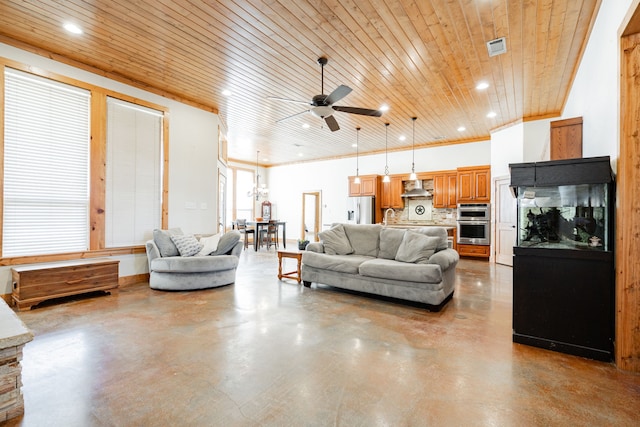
column 293, row 253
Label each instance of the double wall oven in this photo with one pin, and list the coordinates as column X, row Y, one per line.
column 474, row 223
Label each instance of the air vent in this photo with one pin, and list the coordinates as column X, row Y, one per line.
column 497, row 46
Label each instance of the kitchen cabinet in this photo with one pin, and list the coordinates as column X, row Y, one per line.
column 444, row 189
column 391, row 193
column 478, row 251
column 368, row 185
column 474, row 184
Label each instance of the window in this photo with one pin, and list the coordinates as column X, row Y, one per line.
column 133, row 197
column 46, row 166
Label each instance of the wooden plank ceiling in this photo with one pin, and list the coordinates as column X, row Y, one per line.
column 422, row 58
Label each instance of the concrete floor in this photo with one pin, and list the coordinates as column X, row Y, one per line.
column 267, row 353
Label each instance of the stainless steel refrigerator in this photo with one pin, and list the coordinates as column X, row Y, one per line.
column 361, row 210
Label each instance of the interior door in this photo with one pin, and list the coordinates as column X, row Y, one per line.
column 505, row 235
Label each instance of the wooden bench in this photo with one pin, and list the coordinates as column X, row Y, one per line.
column 33, row 284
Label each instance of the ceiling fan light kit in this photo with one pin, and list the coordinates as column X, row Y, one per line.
column 322, row 105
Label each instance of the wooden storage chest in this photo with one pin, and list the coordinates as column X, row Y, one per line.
column 33, row 284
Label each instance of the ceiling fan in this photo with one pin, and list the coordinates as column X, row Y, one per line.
column 322, row 105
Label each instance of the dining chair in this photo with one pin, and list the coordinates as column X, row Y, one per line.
column 269, row 235
column 241, row 226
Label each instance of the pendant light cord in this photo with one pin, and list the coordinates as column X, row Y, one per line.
column 413, row 142
column 386, row 152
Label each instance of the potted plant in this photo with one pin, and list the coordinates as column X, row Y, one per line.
column 302, row 244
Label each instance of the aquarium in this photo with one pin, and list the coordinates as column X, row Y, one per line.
column 564, row 217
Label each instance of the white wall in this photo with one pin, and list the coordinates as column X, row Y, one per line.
column 595, row 91
column 287, row 183
column 193, row 139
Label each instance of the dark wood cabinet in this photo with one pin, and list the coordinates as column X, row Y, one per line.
column 444, row 189
column 476, row 251
column 566, row 139
column 474, row 184
column 391, row 193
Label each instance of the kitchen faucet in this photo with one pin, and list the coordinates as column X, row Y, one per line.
column 393, row 215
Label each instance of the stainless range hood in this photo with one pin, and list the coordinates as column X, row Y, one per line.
column 417, row 191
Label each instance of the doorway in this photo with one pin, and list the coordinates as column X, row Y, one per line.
column 310, row 216
column 505, row 228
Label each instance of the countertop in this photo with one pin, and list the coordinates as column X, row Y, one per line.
column 414, row 225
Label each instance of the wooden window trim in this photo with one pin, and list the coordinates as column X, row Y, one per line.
column 98, row 124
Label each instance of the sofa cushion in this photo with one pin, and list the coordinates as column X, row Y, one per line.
column 227, row 241
column 416, row 248
column 335, row 241
column 338, row 263
column 187, row 245
column 390, row 239
column 364, row 238
column 439, row 232
column 209, row 244
column 162, row 239
column 196, row 264
column 395, row 270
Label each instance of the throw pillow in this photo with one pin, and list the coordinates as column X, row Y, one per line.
column 209, row 244
column 335, row 241
column 163, row 241
column 416, row 248
column 227, row 242
column 187, row 245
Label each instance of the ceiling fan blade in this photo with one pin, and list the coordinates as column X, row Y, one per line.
column 293, row 115
column 335, row 96
column 355, row 110
column 332, row 123
column 295, row 101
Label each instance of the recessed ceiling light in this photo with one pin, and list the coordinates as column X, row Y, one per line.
column 226, row 92
column 402, row 137
column 462, row 129
column 491, row 114
column 384, row 107
column 305, row 125
column 72, row 28
column 354, row 145
column 300, row 154
column 482, row 85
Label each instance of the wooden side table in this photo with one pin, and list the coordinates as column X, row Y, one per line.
column 294, row 253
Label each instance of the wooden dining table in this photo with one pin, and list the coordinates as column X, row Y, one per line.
column 258, row 225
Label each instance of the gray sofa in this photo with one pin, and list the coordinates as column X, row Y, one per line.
column 413, row 265
column 191, row 266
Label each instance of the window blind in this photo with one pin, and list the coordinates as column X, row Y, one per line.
column 133, row 176
column 46, row 166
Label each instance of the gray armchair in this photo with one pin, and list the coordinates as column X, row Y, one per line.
column 168, row 270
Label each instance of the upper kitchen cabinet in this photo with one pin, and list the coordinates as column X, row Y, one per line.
column 474, row 184
column 368, row 185
column 391, row 193
column 444, row 189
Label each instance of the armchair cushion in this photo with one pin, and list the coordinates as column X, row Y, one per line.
column 227, row 242
column 163, row 241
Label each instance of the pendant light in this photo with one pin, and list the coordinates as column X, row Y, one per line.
column 357, row 179
column 258, row 191
column 386, row 178
column 413, row 176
